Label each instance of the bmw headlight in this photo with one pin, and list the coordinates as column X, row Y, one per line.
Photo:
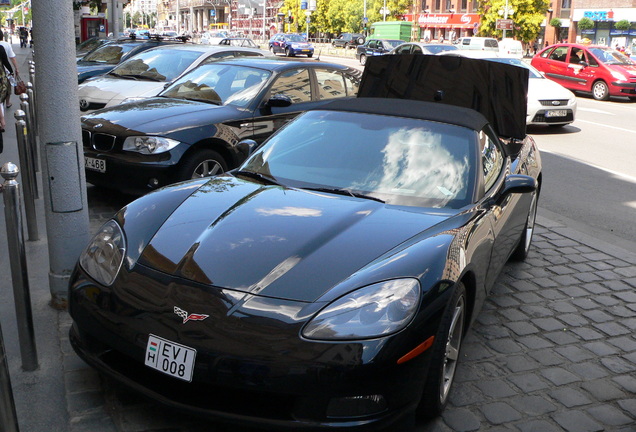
column 104, row 255
column 149, row 144
column 373, row 311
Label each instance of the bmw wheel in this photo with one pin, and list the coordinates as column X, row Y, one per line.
column 600, row 90
column 363, row 59
column 445, row 355
column 203, row 163
column 521, row 252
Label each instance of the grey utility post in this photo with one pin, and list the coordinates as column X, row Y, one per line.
column 62, row 159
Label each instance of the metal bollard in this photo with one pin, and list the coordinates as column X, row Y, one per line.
column 26, row 107
column 33, row 118
column 32, row 77
column 8, row 415
column 28, row 176
column 28, row 163
column 19, row 273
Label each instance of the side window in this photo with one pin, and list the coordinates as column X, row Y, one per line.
column 559, row 53
column 372, row 44
column 491, row 43
column 491, row 160
column 352, row 84
column 576, row 55
column 218, row 56
column 295, row 84
column 466, row 41
column 330, row 84
column 417, row 50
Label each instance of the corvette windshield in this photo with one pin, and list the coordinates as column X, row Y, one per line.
column 220, row 84
column 393, row 159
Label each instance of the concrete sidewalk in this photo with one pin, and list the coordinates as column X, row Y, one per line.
column 553, row 349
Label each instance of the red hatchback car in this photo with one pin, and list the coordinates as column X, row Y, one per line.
column 595, row 69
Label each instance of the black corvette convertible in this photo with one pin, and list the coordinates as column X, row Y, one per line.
column 329, row 280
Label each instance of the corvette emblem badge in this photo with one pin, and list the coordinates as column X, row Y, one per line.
column 189, row 317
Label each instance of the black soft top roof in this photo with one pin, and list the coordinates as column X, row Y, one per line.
column 498, row 91
column 411, row 109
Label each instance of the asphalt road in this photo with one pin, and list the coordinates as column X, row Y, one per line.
column 589, row 170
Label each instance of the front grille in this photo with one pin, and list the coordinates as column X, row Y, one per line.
column 554, row 102
column 86, row 138
column 103, row 142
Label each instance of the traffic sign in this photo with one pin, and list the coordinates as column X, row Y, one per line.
column 504, row 24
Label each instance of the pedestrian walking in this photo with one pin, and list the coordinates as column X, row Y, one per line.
column 11, row 54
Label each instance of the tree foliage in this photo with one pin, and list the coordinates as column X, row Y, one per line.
column 585, row 24
column 338, row 16
column 527, row 16
column 623, row 24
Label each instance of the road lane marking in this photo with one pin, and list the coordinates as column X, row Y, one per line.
column 604, row 125
column 593, row 110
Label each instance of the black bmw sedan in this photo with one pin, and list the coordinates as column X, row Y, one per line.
column 193, row 128
column 327, row 282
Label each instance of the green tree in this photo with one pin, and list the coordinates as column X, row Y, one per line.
column 527, row 17
column 623, row 24
column 585, row 24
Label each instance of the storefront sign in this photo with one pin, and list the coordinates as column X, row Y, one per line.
column 448, row 20
column 599, row 15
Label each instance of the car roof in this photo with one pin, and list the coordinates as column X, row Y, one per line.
column 453, row 80
column 205, row 48
column 278, row 63
column 443, row 113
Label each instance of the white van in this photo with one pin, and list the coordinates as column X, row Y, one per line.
column 478, row 43
column 509, row 47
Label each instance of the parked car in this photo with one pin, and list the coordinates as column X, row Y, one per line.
column 104, row 58
column 212, row 38
column 375, row 47
column 89, row 45
column 239, row 41
column 348, row 40
column 509, row 47
column 290, row 44
column 329, row 281
column 478, row 43
column 422, row 48
column 595, row 69
column 548, row 102
column 192, row 128
column 146, row 74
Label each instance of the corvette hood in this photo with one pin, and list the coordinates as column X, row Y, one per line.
column 161, row 116
column 112, row 91
column 278, row 242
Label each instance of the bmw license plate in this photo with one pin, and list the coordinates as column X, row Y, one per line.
column 556, row 113
column 95, row 164
column 170, row 357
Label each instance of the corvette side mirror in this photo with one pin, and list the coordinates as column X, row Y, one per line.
column 518, row 183
column 279, row 100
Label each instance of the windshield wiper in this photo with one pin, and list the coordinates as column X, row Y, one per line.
column 142, row 77
column 346, row 192
column 255, row 175
column 203, row 100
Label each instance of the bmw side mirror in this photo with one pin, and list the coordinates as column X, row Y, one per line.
column 518, row 183
column 279, row 100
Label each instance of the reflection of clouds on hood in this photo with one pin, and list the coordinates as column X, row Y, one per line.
column 290, row 211
column 416, row 163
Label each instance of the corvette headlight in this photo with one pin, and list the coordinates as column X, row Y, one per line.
column 373, row 311
column 104, row 255
column 149, row 144
column 619, row 76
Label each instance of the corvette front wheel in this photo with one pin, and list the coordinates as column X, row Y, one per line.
column 445, row 355
column 521, row 252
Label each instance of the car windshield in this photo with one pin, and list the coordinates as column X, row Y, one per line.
column 156, row 64
column 434, row 49
column 295, row 38
column 108, row 54
column 397, row 160
column 219, row 84
column 611, row 56
column 516, row 62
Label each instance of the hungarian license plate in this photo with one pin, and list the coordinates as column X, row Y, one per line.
column 556, row 113
column 95, row 164
column 170, row 357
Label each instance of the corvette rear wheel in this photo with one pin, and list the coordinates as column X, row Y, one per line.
column 445, row 355
column 204, row 163
column 600, row 90
column 521, row 252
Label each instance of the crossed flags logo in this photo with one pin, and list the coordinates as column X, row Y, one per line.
column 191, row 317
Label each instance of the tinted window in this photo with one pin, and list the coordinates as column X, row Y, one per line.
column 492, row 160
column 157, row 65
column 330, row 84
column 295, row 84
